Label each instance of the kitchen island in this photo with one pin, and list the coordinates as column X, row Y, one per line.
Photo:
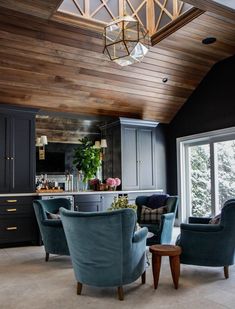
column 17, row 219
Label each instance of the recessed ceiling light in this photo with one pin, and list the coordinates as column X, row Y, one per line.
column 209, row 40
column 164, row 80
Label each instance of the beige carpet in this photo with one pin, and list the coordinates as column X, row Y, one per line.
column 26, row 281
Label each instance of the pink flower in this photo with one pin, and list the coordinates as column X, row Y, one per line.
column 111, row 182
column 118, row 181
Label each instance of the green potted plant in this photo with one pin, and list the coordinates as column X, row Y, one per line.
column 87, row 159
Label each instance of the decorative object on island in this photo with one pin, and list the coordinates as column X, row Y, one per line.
column 113, row 183
column 87, row 160
column 120, row 203
column 94, row 184
column 125, row 40
column 41, row 142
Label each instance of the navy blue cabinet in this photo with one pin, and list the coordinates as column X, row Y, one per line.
column 17, row 150
column 88, row 202
column 17, row 220
column 4, row 152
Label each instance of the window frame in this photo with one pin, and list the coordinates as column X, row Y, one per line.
column 182, row 147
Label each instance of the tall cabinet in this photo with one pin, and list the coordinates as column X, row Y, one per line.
column 17, row 150
column 131, row 153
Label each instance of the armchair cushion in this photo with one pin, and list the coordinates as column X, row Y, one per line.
column 215, row 220
column 157, row 200
column 52, row 223
column 54, row 216
column 149, row 215
column 199, row 220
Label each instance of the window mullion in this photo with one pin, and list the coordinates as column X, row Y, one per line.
column 214, row 178
column 188, row 183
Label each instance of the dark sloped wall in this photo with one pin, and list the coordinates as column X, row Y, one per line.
column 210, row 107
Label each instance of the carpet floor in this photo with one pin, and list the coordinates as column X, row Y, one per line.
column 26, row 281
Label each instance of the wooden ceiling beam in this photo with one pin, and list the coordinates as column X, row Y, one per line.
column 219, row 7
column 176, row 24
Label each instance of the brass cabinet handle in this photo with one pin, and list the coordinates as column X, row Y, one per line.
column 11, row 209
column 11, row 201
column 11, row 228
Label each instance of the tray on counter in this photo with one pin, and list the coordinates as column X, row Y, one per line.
column 50, row 191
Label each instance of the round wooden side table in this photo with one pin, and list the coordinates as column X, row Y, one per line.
column 174, row 256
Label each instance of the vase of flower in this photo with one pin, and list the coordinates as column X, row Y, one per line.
column 113, row 183
column 82, row 183
column 112, row 188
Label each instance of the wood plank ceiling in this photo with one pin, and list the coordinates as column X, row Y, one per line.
column 58, row 67
column 221, row 7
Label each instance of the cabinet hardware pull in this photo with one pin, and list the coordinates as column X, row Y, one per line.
column 11, row 209
column 11, row 201
column 12, row 158
column 7, row 158
column 11, row 228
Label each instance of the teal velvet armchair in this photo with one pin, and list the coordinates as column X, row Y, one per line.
column 206, row 244
column 104, row 247
column 163, row 230
column 51, row 230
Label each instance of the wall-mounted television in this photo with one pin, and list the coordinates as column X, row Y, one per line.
column 54, row 163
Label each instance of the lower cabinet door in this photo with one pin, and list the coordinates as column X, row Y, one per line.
column 18, row 229
column 107, row 200
column 88, row 207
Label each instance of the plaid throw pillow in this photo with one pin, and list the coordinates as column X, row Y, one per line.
column 149, row 215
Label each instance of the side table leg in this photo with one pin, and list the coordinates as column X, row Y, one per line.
column 175, row 269
column 156, row 266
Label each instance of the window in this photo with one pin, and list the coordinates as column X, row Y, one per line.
column 206, row 172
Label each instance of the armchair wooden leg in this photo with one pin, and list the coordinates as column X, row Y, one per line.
column 47, row 257
column 120, row 293
column 79, row 288
column 143, row 277
column 226, row 273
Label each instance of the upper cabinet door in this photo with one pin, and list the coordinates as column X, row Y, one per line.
column 23, row 154
column 4, row 153
column 130, row 172
column 146, row 154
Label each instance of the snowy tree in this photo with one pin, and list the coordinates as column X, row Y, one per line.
column 200, row 181
column 226, row 171
column 200, row 176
